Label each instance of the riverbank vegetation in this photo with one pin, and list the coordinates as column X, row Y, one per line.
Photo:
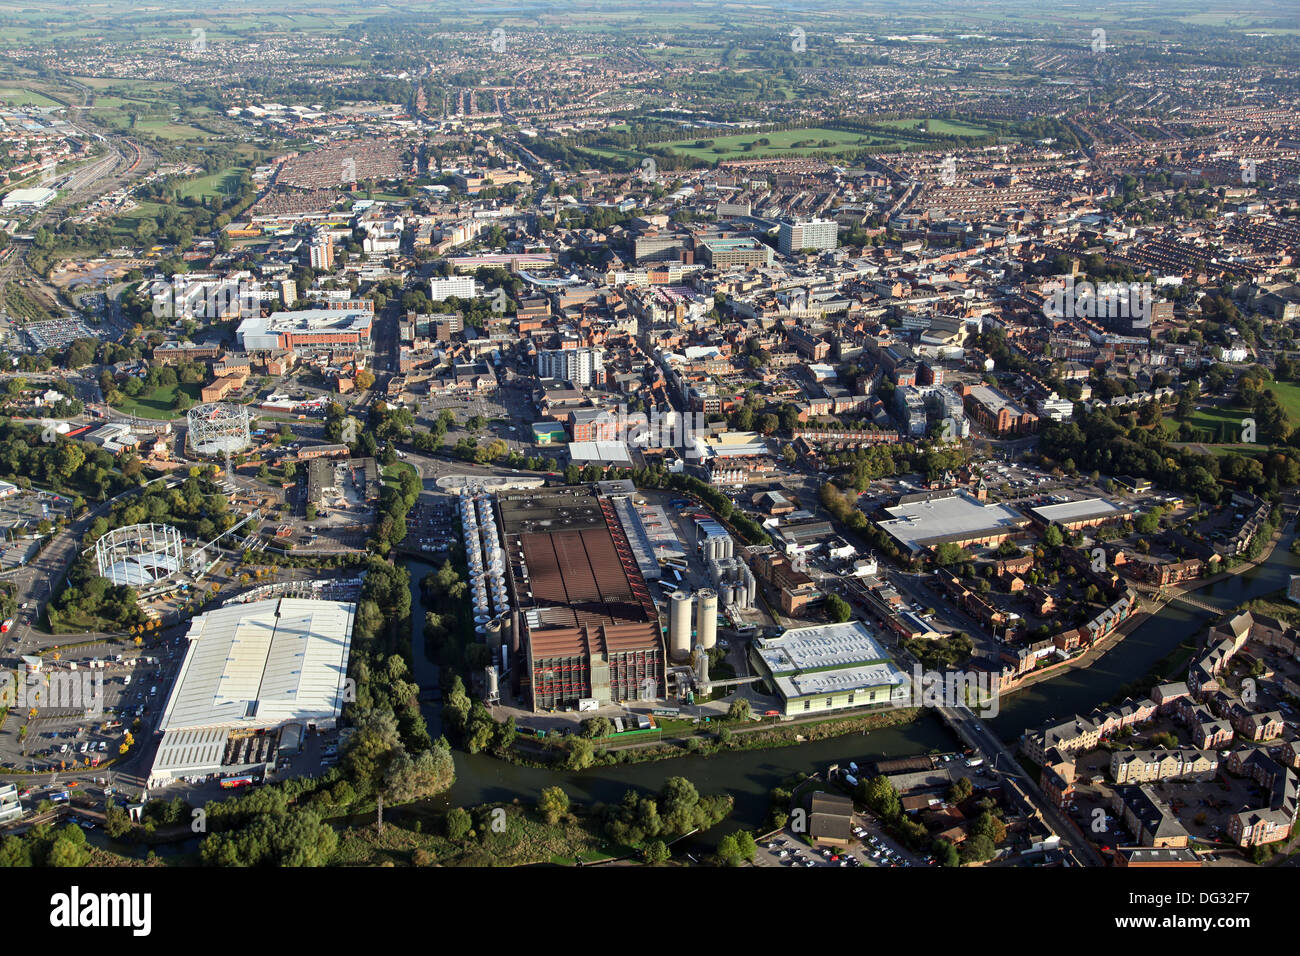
column 734, row 732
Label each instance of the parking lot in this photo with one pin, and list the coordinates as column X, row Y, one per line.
column 870, row 846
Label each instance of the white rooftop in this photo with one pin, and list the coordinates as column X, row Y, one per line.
column 600, row 451
column 1079, row 510
column 263, row 664
column 885, row 673
column 918, row 523
column 821, row 646
column 830, row 658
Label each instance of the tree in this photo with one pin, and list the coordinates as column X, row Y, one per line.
column 655, row 852
column 960, row 790
column 739, row 709
column 735, row 849
column 838, row 609
column 1052, row 536
column 879, row 794
column 365, row 379
column 582, row 754
column 300, row 838
column 945, row 853
column 978, row 849
column 949, row 552
column 459, row 823
column 553, row 805
column 117, row 822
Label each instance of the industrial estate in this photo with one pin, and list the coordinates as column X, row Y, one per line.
column 865, row 441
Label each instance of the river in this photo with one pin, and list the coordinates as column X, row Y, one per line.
column 749, row 775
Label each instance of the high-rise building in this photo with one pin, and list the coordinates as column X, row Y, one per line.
column 793, row 237
column 583, row 367
column 462, row 287
column 320, row 251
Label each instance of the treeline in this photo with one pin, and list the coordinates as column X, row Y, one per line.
column 46, row 845
column 844, row 510
column 639, row 819
column 1112, row 444
column 75, row 468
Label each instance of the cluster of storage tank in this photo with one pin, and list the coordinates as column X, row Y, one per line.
column 734, row 583
column 716, row 547
column 679, row 622
column 487, row 566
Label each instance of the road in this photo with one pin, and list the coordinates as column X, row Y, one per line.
column 970, row 728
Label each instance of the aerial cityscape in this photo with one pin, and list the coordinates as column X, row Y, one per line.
column 704, row 435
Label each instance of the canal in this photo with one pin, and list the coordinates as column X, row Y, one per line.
column 749, row 775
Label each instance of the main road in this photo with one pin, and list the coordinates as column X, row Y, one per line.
column 972, row 729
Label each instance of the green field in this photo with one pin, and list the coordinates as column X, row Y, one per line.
column 1224, row 422
column 15, row 97
column 941, row 127
column 158, row 403
column 797, row 142
column 221, row 183
column 815, row 141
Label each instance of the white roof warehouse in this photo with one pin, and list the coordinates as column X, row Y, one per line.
column 959, row 518
column 253, row 667
column 829, row 667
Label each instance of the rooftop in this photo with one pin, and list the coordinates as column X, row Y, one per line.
column 262, row 664
column 1083, row 510
column 821, row 647
column 919, row 524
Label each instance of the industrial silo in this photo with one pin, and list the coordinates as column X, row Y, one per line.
column 706, row 622
column 679, row 625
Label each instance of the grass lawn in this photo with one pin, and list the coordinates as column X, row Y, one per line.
column 27, row 98
column 1288, row 394
column 1224, row 422
column 221, row 183
column 790, row 142
column 796, row 142
column 158, row 403
column 942, row 127
column 390, row 472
